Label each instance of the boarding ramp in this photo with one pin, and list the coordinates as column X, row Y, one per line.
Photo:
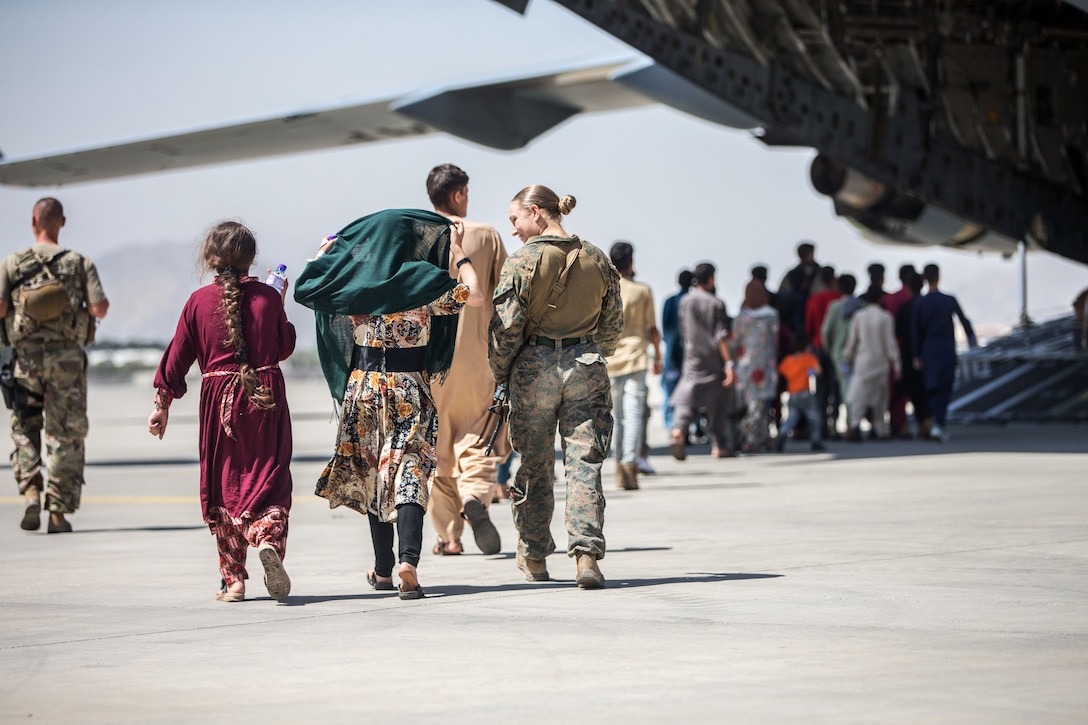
column 1034, row 374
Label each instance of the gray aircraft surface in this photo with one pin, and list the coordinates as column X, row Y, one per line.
column 936, row 122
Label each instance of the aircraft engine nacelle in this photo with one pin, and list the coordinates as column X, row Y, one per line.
column 887, row 216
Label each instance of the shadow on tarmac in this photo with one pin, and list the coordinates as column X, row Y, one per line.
column 694, row 578
column 454, row 590
column 132, row 529
column 302, row 601
column 1012, row 438
column 457, row 590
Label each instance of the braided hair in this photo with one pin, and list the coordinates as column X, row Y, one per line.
column 229, row 249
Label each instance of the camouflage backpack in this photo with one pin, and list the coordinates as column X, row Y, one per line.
column 48, row 297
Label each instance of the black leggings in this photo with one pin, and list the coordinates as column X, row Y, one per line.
column 409, row 538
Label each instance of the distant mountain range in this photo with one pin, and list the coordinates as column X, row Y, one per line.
column 147, row 286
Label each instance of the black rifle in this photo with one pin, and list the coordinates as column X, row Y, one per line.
column 496, row 414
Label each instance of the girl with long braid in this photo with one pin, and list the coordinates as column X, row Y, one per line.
column 236, row 330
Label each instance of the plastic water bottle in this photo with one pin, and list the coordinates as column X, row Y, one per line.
column 278, row 279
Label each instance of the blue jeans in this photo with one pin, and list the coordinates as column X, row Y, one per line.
column 802, row 404
column 669, row 378
column 502, row 475
column 628, row 405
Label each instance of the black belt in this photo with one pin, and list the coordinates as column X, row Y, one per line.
column 557, row 344
column 389, row 359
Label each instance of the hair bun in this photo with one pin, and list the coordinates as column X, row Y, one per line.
column 566, row 204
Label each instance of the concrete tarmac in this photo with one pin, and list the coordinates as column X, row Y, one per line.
column 898, row 582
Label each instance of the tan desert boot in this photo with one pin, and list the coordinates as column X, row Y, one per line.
column 630, row 479
column 32, row 520
column 535, row 569
column 58, row 524
column 589, row 576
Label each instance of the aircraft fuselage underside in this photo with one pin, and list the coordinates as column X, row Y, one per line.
column 973, row 112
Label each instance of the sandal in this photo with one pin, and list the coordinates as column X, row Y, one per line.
column 484, row 531
column 226, row 595
column 447, row 548
column 379, row 585
column 276, row 580
column 409, row 585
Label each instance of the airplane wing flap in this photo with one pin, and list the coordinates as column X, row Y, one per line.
column 593, row 96
column 509, row 114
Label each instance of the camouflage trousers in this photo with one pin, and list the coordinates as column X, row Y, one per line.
column 568, row 389
column 56, row 375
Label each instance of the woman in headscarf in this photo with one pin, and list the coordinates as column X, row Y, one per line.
column 386, row 324
column 756, row 339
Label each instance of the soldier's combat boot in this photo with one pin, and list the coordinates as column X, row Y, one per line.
column 535, row 569
column 58, row 524
column 630, row 479
column 589, row 575
column 32, row 520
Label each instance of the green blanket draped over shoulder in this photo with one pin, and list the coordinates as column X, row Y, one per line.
column 390, row 261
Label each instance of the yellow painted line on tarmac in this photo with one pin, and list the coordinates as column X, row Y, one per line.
column 118, row 499
column 141, row 499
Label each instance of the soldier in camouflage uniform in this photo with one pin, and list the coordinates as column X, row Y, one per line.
column 49, row 299
column 558, row 312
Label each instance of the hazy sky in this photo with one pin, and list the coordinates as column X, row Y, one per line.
column 76, row 74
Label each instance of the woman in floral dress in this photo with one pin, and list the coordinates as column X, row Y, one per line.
column 384, row 461
column 756, row 331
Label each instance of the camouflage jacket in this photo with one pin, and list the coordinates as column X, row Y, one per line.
column 21, row 271
column 590, row 304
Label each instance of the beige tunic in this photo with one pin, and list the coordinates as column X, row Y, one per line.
column 638, row 318
column 870, row 345
column 464, row 396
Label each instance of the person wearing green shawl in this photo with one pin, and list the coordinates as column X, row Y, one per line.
column 386, row 322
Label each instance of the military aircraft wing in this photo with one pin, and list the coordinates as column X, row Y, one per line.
column 503, row 113
column 291, row 133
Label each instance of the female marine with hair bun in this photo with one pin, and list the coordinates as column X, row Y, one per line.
column 236, row 330
column 558, row 312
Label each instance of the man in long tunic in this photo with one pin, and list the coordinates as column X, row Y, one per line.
column 549, row 349
column 466, row 474
column 872, row 354
column 707, row 369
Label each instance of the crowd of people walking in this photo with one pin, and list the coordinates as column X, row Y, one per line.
column 429, row 335
column 842, row 365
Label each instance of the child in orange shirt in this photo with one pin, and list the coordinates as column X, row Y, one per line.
column 796, row 369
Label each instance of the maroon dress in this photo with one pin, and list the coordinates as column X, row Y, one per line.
column 245, row 452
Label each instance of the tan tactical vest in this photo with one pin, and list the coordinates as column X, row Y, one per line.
column 49, row 300
column 578, row 308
